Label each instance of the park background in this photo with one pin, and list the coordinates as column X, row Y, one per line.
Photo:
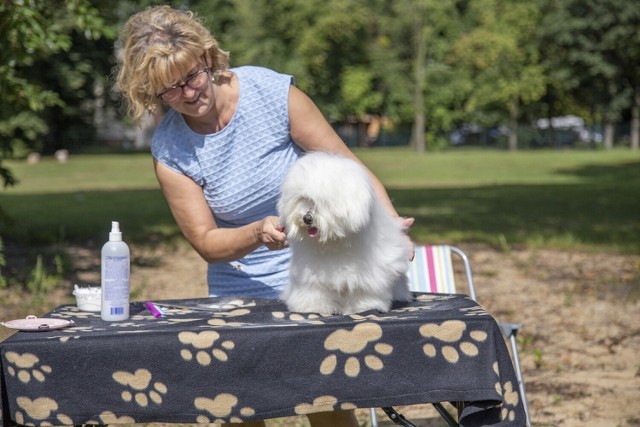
column 508, row 128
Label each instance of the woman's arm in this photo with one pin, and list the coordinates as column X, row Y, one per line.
column 193, row 216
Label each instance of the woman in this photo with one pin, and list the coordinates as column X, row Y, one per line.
column 222, row 150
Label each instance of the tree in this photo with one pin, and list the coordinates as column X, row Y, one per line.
column 335, row 40
column 357, row 93
column 34, row 32
column 256, row 32
column 323, row 44
column 599, row 44
column 502, row 58
column 411, row 53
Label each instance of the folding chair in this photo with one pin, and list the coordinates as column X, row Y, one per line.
column 432, row 271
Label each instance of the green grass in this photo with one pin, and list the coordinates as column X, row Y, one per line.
column 564, row 199
column 400, row 168
column 76, row 201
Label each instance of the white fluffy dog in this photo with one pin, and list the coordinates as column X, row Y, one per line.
column 348, row 253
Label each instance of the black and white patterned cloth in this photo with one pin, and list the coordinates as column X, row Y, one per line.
column 238, row 359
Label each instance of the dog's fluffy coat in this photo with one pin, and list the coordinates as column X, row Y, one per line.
column 348, row 254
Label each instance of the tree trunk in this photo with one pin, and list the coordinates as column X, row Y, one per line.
column 513, row 125
column 608, row 135
column 635, row 121
column 418, row 96
column 552, row 133
column 418, row 130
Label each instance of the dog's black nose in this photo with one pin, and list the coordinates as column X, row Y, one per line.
column 308, row 218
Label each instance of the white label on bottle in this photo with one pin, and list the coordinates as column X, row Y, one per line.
column 116, row 279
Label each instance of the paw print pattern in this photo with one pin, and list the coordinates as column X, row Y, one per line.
column 76, row 313
column 138, row 387
column 451, row 332
column 322, row 404
column 319, row 404
column 223, row 322
column 234, row 313
column 203, row 344
column 510, row 397
column 147, row 315
column 433, row 297
column 26, row 367
column 510, row 401
column 416, row 308
column 313, row 318
column 39, row 409
column 474, row 311
column 127, row 325
column 71, row 313
column 221, row 408
column 354, row 343
column 233, row 308
column 373, row 317
column 73, row 331
column 108, row 417
column 237, row 303
column 172, row 320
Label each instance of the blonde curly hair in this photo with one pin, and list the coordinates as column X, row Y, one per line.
column 158, row 44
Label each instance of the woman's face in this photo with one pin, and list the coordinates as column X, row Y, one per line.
column 192, row 94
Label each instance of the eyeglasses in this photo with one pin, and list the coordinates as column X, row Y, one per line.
column 195, row 81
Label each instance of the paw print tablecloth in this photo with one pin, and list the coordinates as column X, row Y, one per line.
column 237, row 359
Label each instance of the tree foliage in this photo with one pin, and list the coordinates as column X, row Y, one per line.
column 596, row 47
column 427, row 63
column 502, row 60
column 33, row 75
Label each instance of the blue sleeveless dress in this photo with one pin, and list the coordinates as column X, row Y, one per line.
column 240, row 170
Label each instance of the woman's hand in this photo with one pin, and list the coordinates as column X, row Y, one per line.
column 271, row 234
column 406, row 224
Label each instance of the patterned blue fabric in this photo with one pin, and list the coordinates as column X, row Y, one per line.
column 240, row 170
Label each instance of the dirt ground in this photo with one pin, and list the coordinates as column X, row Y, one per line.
column 579, row 346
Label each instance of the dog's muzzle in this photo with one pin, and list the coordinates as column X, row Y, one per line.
column 309, row 220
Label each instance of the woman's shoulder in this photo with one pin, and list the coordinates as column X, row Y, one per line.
column 260, row 74
column 170, row 123
column 173, row 144
column 170, row 134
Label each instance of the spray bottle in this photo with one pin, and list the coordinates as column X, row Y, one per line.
column 115, row 277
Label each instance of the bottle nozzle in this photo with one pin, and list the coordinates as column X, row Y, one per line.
column 115, row 235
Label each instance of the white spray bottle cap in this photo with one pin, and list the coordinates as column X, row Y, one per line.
column 115, row 235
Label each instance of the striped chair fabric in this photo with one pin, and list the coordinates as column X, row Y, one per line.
column 432, row 270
